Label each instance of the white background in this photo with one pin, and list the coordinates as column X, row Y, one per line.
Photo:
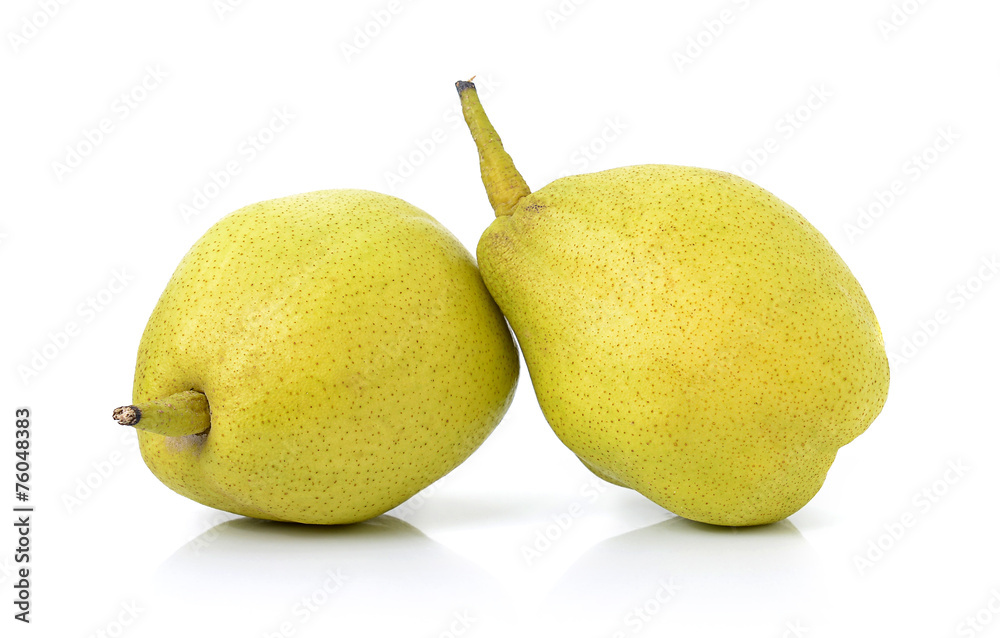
column 114, row 551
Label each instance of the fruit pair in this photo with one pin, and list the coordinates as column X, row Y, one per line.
column 323, row 357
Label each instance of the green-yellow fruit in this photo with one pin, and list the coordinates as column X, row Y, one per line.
column 688, row 334
column 344, row 347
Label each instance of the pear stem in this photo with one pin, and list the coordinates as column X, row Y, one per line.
column 504, row 185
column 180, row 414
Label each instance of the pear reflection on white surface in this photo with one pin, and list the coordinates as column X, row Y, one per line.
column 261, row 578
column 679, row 574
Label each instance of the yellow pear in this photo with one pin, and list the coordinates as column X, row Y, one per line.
column 688, row 334
column 319, row 358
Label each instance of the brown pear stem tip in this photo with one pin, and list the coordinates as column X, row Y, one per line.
column 127, row 415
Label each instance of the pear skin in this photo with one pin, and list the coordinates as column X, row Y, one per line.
column 688, row 334
column 341, row 347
